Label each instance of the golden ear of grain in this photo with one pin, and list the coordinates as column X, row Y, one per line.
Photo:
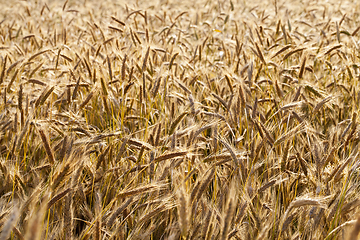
column 139, row 143
column 43, row 96
column 299, row 202
column 278, row 90
column 336, row 174
column 118, row 211
column 172, row 60
column 229, row 215
column 332, row 49
column 38, row 54
column 183, row 87
column 261, row 56
column 68, row 216
column 118, row 21
column 60, row 177
column 353, row 121
column 122, row 149
column 198, row 131
column 287, row 222
column 35, row 69
column 207, row 223
column 127, row 87
column 283, row 49
column 145, row 60
column 228, row 81
column 87, row 100
column 289, row 134
column 292, row 52
column 338, row 32
column 267, row 133
column 302, row 68
column 183, row 211
column 144, row 95
column 35, row 81
column 101, row 157
column 267, row 185
column 109, row 68
column 176, row 122
column 46, row 95
column 192, row 104
column 98, row 221
column 157, row 137
column 222, row 101
column 123, row 68
column 116, row 29
column 321, row 103
column 153, row 213
column 20, row 97
column 170, row 156
column 87, row 66
column 8, row 88
column 104, row 87
column 285, row 156
column 232, row 153
column 139, row 190
column 47, row 147
column 58, row 197
column 203, row 185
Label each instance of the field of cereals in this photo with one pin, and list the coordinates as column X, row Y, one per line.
column 209, row 119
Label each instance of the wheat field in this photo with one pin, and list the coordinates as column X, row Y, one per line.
column 227, row 119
